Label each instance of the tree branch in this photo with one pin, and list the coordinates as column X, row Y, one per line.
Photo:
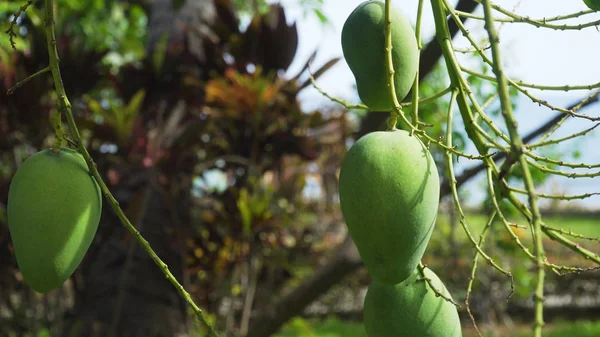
column 469, row 173
column 274, row 317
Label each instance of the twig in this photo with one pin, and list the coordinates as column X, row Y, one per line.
column 11, row 33
column 491, row 63
column 343, row 103
column 457, row 205
column 554, row 267
column 27, row 79
column 562, row 173
column 570, row 233
column 437, row 292
column 474, row 269
column 389, row 64
column 517, row 148
column 514, row 18
column 571, row 245
column 559, row 140
column 415, row 88
column 536, row 86
column 557, row 197
column 554, row 235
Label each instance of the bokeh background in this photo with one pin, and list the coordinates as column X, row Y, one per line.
column 204, row 123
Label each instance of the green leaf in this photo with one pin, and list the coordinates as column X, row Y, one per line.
column 320, row 15
column 245, row 212
column 133, row 107
column 160, row 49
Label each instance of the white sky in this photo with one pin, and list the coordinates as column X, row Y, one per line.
column 536, row 55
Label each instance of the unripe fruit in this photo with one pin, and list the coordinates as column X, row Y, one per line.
column 363, row 46
column 410, row 309
column 54, row 208
column 593, row 4
column 389, row 194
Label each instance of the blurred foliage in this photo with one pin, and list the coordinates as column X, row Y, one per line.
column 222, row 125
column 250, row 7
column 118, row 29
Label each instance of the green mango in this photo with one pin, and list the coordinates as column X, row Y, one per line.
column 363, row 47
column 593, row 4
column 54, row 208
column 389, row 192
column 410, row 309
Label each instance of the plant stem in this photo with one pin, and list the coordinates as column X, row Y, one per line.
column 389, row 63
column 567, row 87
column 415, row 88
column 65, row 106
column 517, row 149
column 27, row 79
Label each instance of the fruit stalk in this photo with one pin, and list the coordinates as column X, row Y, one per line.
column 65, row 107
column 415, row 88
column 389, row 63
column 517, row 149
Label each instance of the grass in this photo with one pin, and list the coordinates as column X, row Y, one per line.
column 333, row 327
column 587, row 226
column 557, row 329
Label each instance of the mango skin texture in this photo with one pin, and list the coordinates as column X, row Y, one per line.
column 363, row 47
column 410, row 309
column 593, row 4
column 389, row 194
column 54, row 208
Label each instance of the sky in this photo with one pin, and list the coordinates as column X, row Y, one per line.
column 531, row 54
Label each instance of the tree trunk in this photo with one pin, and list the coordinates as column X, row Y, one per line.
column 279, row 312
column 125, row 293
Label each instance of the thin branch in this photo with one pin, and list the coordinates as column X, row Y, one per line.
column 560, row 140
column 571, row 234
column 343, row 103
column 556, row 197
column 517, row 151
column 514, row 18
column 560, row 162
column 27, row 79
column 563, row 173
column 536, row 86
column 457, row 205
column 487, row 60
column 415, row 88
column 474, row 270
column 11, row 33
column 438, row 293
column 551, row 234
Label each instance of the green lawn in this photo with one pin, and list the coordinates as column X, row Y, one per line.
column 476, row 221
column 337, row 328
